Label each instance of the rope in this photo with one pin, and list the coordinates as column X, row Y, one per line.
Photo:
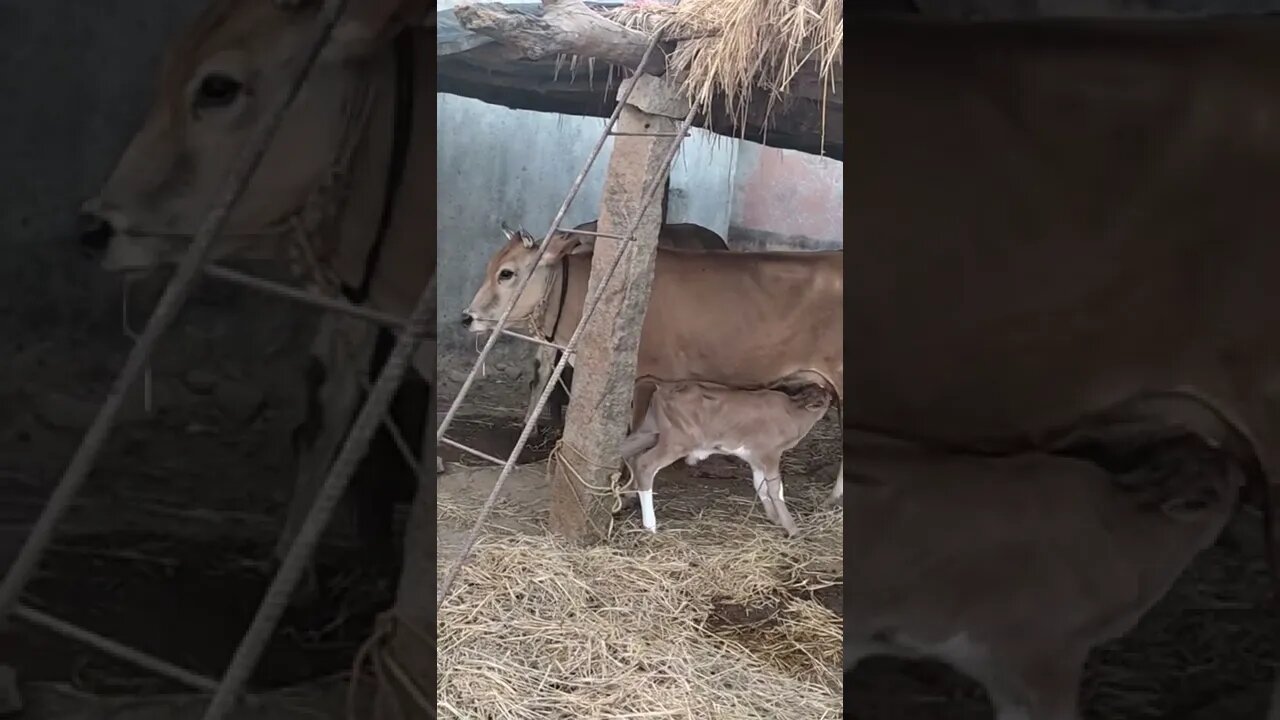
column 614, row 489
column 374, row 650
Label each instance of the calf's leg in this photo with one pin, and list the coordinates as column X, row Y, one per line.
column 772, row 497
column 645, row 469
column 640, row 401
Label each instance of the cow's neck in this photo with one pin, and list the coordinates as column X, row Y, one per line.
column 344, row 233
column 567, row 295
column 395, row 274
column 547, row 315
column 346, row 246
column 403, row 108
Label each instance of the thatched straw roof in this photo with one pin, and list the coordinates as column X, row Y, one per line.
column 767, row 70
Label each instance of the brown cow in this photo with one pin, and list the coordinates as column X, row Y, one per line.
column 695, row 420
column 741, row 319
column 680, row 236
column 1012, row 569
column 1053, row 219
column 335, row 185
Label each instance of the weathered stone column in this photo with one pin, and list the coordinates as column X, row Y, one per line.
column 605, row 363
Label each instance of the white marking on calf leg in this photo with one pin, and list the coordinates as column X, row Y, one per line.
column 647, row 517
column 780, row 507
column 762, row 490
column 648, row 469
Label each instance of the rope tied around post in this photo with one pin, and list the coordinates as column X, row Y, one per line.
column 374, row 651
column 557, row 460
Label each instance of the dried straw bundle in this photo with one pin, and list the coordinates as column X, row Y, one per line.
column 729, row 48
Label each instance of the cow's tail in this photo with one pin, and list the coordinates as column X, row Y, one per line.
column 636, row 443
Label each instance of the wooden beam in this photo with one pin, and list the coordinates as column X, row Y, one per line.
column 567, row 27
column 605, row 371
column 485, row 73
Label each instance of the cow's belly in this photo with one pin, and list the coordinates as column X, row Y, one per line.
column 989, row 375
column 728, row 361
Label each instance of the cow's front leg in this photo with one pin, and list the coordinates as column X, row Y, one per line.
column 333, row 394
column 543, row 364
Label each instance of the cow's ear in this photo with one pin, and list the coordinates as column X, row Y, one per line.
column 560, row 245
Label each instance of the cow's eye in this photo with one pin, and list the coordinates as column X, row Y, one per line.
column 217, row 90
column 506, row 274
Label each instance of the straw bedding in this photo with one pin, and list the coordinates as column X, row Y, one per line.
column 718, row 615
column 728, row 49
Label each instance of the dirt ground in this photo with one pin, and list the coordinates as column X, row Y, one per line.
column 166, row 548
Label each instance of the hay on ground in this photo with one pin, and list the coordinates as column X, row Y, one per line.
column 715, row 616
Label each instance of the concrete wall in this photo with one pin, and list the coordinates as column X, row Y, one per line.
column 786, row 200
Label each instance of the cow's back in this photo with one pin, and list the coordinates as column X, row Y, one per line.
column 739, row 319
column 1090, row 222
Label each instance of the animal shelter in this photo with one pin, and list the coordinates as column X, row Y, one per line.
column 747, row 619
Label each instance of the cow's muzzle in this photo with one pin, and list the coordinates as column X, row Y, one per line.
column 467, row 319
column 95, row 233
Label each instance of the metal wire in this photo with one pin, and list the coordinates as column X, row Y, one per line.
column 118, row 650
column 175, row 294
column 646, row 199
column 299, row 295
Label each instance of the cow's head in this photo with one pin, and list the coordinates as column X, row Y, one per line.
column 502, row 276
column 218, row 80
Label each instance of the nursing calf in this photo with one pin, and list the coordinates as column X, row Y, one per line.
column 694, row 420
column 1012, row 569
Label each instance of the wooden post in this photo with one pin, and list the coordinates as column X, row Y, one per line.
column 605, row 367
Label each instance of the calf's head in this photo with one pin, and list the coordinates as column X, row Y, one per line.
column 218, row 80
column 517, row 259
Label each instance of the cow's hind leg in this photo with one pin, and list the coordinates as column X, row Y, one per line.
column 837, row 492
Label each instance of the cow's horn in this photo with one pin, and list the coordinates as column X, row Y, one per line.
column 528, row 240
